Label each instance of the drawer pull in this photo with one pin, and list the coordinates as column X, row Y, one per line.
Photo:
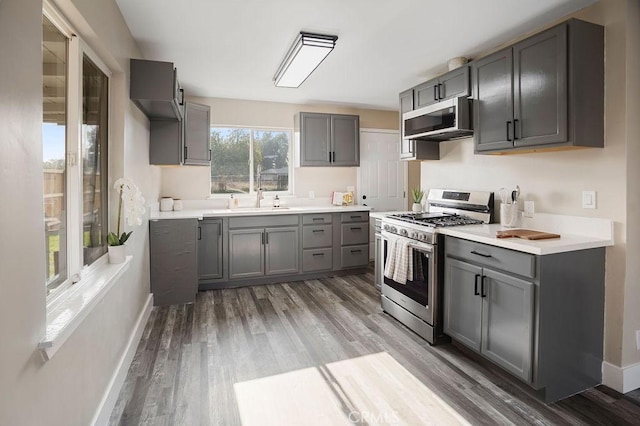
column 356, row 228
column 480, row 254
column 356, row 217
column 356, row 251
column 318, row 254
column 318, row 230
column 318, row 218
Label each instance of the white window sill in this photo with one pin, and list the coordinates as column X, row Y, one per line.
column 64, row 317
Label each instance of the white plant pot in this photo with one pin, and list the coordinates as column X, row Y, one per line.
column 417, row 207
column 117, row 254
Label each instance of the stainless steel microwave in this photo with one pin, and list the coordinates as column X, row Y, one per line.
column 445, row 120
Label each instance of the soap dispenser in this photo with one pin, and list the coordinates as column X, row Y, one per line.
column 276, row 201
column 232, row 202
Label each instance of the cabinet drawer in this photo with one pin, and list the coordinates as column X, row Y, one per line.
column 354, row 217
column 317, row 260
column 263, row 221
column 317, row 236
column 523, row 264
column 315, row 219
column 354, row 256
column 355, row 233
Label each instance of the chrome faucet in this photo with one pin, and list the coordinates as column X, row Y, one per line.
column 259, row 195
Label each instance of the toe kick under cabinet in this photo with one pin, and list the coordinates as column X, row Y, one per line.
column 539, row 317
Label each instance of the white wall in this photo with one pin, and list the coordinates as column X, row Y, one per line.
column 67, row 389
column 555, row 180
column 193, row 182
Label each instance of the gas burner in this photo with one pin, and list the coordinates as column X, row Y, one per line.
column 435, row 220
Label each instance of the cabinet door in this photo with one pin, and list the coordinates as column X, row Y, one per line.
column 210, row 249
column 507, row 321
column 425, row 94
column 455, row 83
column 246, row 253
column 173, row 261
column 493, row 106
column 540, row 88
column 165, row 142
column 462, row 302
column 406, row 105
column 345, row 140
column 281, row 245
column 315, row 139
column 197, row 134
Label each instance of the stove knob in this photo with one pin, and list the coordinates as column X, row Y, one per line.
column 386, row 227
column 422, row 236
column 393, row 229
column 404, row 232
column 413, row 235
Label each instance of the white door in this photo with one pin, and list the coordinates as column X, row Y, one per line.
column 382, row 177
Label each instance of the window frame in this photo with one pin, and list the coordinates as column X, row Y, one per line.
column 252, row 191
column 77, row 49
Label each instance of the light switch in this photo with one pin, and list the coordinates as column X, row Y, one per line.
column 588, row 199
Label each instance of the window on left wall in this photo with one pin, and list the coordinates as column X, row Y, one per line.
column 75, row 122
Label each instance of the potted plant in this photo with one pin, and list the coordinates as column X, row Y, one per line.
column 417, row 194
column 131, row 203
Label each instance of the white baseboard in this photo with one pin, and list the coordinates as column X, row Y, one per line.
column 120, row 374
column 622, row 379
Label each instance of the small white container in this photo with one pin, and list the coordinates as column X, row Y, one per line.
column 177, row 205
column 117, row 254
column 166, row 204
column 509, row 215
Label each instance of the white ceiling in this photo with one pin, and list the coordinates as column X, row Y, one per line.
column 232, row 48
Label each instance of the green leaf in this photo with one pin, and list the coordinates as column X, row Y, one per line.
column 112, row 239
column 125, row 236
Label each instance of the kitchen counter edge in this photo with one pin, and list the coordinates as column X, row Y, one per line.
column 204, row 213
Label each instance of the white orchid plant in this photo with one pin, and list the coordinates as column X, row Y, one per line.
column 132, row 205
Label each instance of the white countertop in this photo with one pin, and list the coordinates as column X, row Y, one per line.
column 242, row 211
column 487, row 234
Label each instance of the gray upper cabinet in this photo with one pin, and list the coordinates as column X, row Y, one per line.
column 173, row 261
column 327, row 139
column 345, row 139
column 210, row 249
column 406, row 105
column 197, row 134
column 182, row 142
column 155, row 89
column 545, row 92
column 453, row 84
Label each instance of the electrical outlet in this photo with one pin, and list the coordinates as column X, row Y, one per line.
column 588, row 199
column 529, row 209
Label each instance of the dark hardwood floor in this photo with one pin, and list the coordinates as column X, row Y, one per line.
column 323, row 352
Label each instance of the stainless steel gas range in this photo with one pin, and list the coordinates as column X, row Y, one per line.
column 410, row 261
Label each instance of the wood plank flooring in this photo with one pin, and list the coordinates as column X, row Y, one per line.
column 323, row 352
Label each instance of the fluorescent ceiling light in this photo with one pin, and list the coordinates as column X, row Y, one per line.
column 307, row 52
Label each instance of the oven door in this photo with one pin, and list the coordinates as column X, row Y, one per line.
column 419, row 294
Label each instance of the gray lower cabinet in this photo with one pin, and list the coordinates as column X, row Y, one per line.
column 545, row 92
column 327, row 139
column 317, row 242
column 173, row 261
column 210, row 241
column 539, row 317
column 263, row 251
column 354, row 239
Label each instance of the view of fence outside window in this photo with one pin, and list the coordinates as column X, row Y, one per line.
column 54, row 151
column 244, row 159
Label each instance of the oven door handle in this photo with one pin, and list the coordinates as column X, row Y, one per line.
column 421, row 247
